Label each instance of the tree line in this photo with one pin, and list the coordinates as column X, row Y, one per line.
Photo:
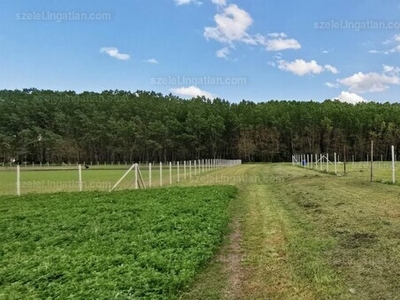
column 111, row 126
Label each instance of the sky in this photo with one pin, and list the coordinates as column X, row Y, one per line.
column 254, row 50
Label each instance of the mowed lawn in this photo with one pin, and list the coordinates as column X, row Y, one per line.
column 382, row 171
column 145, row 244
column 302, row 234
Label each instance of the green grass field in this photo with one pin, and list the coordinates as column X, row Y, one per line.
column 294, row 233
column 102, row 178
column 382, row 171
column 146, row 244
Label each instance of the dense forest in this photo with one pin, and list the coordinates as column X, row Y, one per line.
column 52, row 126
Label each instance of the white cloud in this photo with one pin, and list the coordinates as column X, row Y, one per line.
column 390, row 70
column 114, row 52
column 387, row 69
column 282, row 44
column 152, row 61
column 332, row 85
column 331, row 69
column 374, row 51
column 350, row 98
column 301, row 67
column 394, row 48
column 219, row 2
column 370, row 82
column 223, row 53
column 192, row 91
column 277, row 35
column 277, row 43
column 184, row 2
column 231, row 26
column 327, row 51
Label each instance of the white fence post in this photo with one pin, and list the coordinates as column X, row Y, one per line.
column 184, row 170
column 170, row 173
column 160, row 173
column 18, row 181
column 393, row 167
column 136, row 177
column 149, row 175
column 80, row 177
column 177, row 166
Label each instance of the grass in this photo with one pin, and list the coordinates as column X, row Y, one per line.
column 296, row 233
column 382, row 171
column 103, row 178
column 146, row 244
column 309, row 235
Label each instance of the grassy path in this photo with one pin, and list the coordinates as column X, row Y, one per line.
column 299, row 234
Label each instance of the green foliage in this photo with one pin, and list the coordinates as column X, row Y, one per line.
column 146, row 244
column 148, row 126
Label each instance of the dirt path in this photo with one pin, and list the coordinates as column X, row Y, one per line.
column 252, row 262
column 233, row 263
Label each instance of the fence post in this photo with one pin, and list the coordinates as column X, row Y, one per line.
column 136, row 176
column 372, row 160
column 80, row 177
column 149, row 175
column 184, row 170
column 160, row 173
column 393, row 167
column 177, row 166
column 170, row 173
column 190, row 169
column 18, row 181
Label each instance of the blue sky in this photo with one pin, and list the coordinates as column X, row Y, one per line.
column 255, row 50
